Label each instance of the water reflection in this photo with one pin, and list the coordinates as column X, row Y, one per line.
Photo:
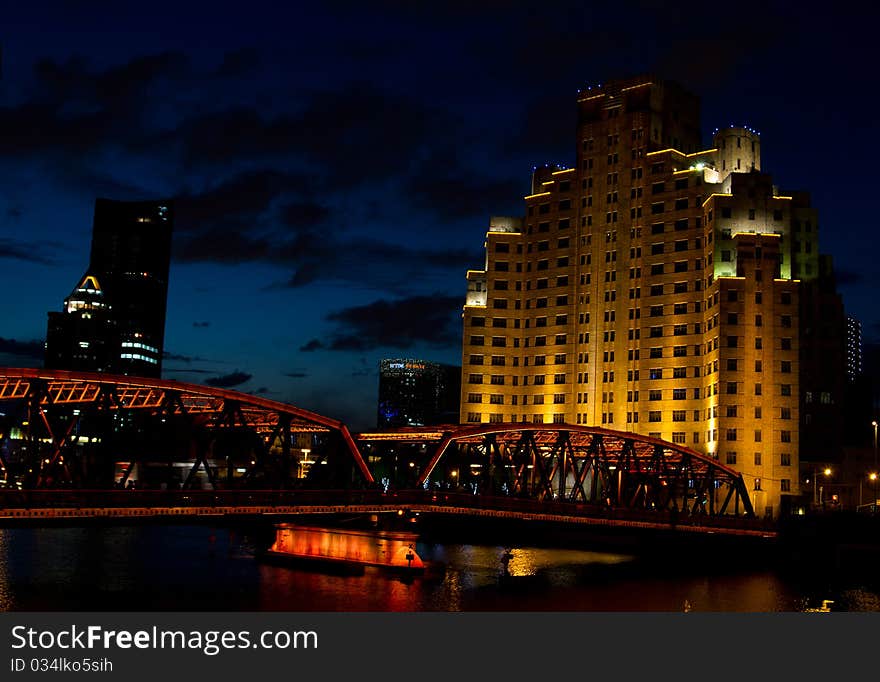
column 193, row 568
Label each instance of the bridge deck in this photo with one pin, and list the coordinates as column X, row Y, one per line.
column 85, row 506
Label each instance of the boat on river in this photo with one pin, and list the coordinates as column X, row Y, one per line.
column 349, row 551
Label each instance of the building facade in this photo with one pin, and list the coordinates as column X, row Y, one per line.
column 654, row 287
column 114, row 319
column 854, row 365
column 417, row 393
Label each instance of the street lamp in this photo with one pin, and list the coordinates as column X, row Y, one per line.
column 874, row 424
column 873, row 478
column 826, row 472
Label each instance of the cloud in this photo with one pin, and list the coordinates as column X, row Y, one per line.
column 296, row 375
column 443, row 185
column 167, row 355
column 201, row 325
column 354, row 134
column 401, row 323
column 235, row 221
column 374, row 263
column 13, row 249
column 845, row 278
column 237, row 63
column 74, row 109
column 304, row 214
column 230, row 380
column 312, row 345
column 27, row 349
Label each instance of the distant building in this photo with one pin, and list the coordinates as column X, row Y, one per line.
column 854, row 366
column 417, row 393
column 114, row 319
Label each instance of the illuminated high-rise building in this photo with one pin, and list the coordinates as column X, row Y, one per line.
column 653, row 287
column 417, row 393
column 853, row 348
column 114, row 319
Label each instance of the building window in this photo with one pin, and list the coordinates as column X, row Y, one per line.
column 473, row 417
column 785, row 485
column 785, row 436
column 785, row 459
column 475, row 379
column 731, row 434
column 731, row 457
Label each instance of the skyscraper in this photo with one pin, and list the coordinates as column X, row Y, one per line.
column 114, row 319
column 653, row 287
column 853, row 348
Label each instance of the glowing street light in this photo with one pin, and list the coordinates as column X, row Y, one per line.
column 826, row 472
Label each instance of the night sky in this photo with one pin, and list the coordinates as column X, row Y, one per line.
column 335, row 164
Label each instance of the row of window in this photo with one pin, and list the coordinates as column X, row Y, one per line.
column 499, row 379
column 496, row 418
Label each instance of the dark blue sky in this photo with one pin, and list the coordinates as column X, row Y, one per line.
column 335, row 164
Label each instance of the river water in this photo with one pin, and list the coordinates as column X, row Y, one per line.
column 201, row 568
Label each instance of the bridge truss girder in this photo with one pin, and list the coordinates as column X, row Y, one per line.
column 71, row 426
column 578, row 464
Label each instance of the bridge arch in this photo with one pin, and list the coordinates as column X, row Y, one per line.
column 582, row 464
column 65, row 428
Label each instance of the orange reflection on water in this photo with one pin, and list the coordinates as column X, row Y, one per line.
column 381, row 548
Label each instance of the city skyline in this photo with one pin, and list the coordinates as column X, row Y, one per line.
column 312, row 189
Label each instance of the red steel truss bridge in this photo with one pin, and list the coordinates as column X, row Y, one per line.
column 77, row 445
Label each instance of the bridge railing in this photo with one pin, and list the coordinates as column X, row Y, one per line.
column 73, row 499
column 567, row 508
column 400, row 499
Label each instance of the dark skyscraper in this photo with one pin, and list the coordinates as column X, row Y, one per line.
column 114, row 320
